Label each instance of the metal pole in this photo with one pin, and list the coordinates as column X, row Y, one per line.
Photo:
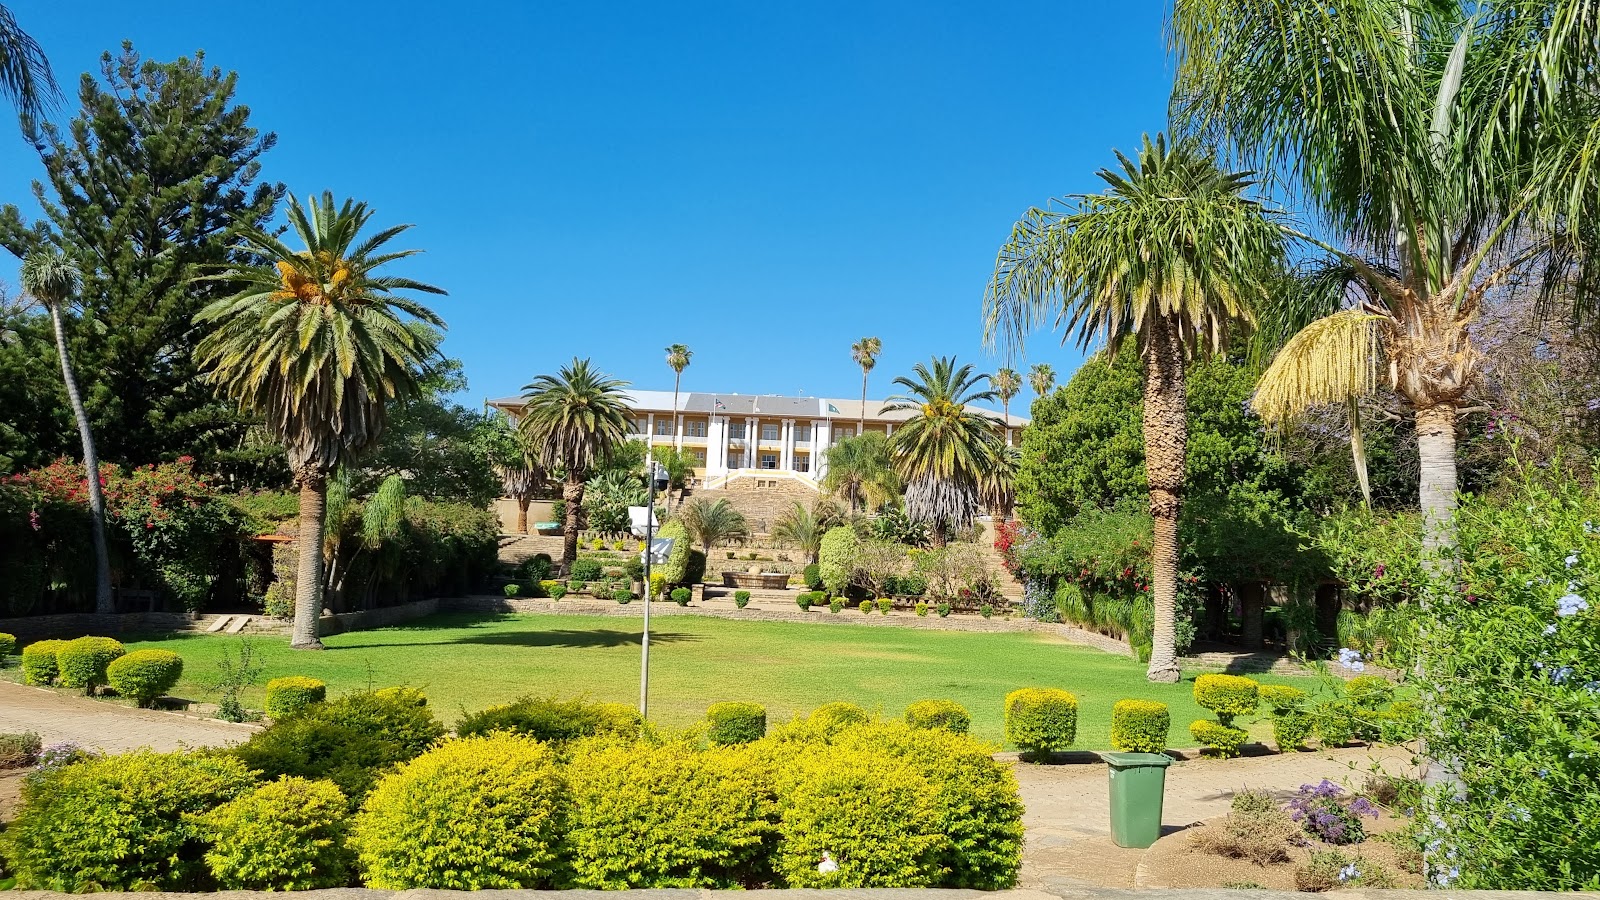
column 644, row 643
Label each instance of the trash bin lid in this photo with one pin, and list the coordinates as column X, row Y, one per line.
column 1135, row 760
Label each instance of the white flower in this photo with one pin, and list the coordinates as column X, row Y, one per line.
column 827, row 865
column 1571, row 605
column 1348, row 872
column 1549, row 630
column 1572, row 559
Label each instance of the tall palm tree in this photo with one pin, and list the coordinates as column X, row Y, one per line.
column 1042, row 378
column 25, row 76
column 943, row 452
column 865, row 353
column 861, row 470
column 52, row 281
column 804, row 527
column 521, row 476
column 575, row 420
column 998, row 485
column 319, row 343
column 1449, row 148
column 678, row 356
column 1006, row 383
column 1172, row 254
column 712, row 523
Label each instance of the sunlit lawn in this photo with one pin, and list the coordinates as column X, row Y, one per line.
column 470, row 661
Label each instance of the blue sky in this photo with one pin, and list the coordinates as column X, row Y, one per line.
column 763, row 182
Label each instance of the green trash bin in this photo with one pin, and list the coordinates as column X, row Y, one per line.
column 1138, row 784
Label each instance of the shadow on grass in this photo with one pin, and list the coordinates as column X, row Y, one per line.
column 559, row 638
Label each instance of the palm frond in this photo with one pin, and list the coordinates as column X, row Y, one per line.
column 1331, row 361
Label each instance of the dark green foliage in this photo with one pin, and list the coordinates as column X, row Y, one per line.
column 813, row 576
column 551, row 720
column 741, row 599
column 438, row 446
column 681, row 596
column 736, row 723
column 587, row 570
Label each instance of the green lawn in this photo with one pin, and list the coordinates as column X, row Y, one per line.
column 470, row 661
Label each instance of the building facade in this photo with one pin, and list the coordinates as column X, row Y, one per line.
column 733, row 436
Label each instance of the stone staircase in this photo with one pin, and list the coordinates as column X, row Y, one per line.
column 762, row 499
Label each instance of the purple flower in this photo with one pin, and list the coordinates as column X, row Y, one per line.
column 1571, row 605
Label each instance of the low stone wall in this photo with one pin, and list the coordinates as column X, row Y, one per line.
column 71, row 625
column 382, row 617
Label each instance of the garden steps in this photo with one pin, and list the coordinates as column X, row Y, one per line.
column 239, row 623
column 219, row 623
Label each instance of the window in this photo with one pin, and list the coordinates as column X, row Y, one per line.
column 769, row 460
column 840, row 432
column 769, row 432
column 699, row 457
column 695, row 429
column 736, row 430
column 802, row 462
column 664, row 427
column 735, row 459
column 802, row 434
column 639, row 426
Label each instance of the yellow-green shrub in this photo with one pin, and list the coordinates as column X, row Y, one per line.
column 8, row 646
column 39, row 662
column 943, row 714
column 736, row 723
column 1280, row 697
column 82, row 661
column 145, row 676
column 669, row 816
column 292, row 693
column 1290, row 729
column 878, row 817
column 1369, row 691
column 831, row 717
column 120, row 823
column 1040, row 721
column 552, row 720
column 1140, row 726
column 286, row 835
column 470, row 814
column 1224, row 740
column 1227, row 695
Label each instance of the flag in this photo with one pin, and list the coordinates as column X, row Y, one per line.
column 832, row 408
column 719, row 404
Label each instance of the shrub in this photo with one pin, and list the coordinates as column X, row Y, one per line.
column 19, row 750
column 943, row 608
column 82, row 661
column 551, row 720
column 1250, row 802
column 804, row 599
column 1290, row 730
column 293, row 693
column 1326, row 870
column 921, row 609
column 1260, row 836
column 1280, row 698
column 913, row 585
column 885, row 605
column 286, row 835
column 277, row 603
column 1324, row 812
column 575, row 586
column 836, row 604
column 1140, row 726
column 879, row 820
column 681, row 595
column 866, row 607
column 831, row 718
column 1333, row 722
column 145, row 676
column 513, row 589
column 837, row 557
column 1226, row 695
column 8, row 646
column 741, row 599
column 39, row 662
column 946, row 715
column 120, row 823
column 1040, row 721
column 986, row 610
column 624, row 597
column 713, row 833
column 586, row 570
column 556, row 590
column 736, row 723
column 813, row 577
column 1223, row 740
column 470, row 814
column 536, row 567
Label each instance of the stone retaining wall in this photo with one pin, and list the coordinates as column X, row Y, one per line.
column 382, row 617
column 71, row 625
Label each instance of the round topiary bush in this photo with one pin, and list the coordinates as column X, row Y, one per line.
column 834, row 717
column 39, row 662
column 286, row 835
column 470, row 814
column 813, row 577
column 293, row 693
column 83, row 661
column 736, row 723
column 513, row 589
column 866, row 607
column 1227, row 695
column 8, row 646
column 681, row 595
column 946, row 715
column 145, row 676
column 1040, row 721
column 1140, row 726
column 120, row 823
column 668, row 816
column 1223, row 740
column 587, row 570
column 1369, row 691
column 741, row 599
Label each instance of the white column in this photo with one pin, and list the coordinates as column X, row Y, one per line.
column 888, row 429
column 818, row 443
column 650, row 430
column 1008, row 435
column 752, row 443
column 785, row 444
column 716, row 448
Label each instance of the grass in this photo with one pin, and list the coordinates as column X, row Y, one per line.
column 467, row 661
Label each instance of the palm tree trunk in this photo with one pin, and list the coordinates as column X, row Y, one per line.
column 91, row 471
column 1165, row 439
column 1436, row 448
column 522, row 515
column 861, row 426
column 308, row 582
column 572, row 498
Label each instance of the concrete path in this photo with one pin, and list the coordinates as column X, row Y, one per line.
column 108, row 726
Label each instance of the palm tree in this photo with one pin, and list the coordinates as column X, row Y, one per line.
column 319, row 344
column 861, row 470
column 521, row 477
column 998, row 486
column 1449, row 148
column 1042, row 378
column 1172, row 254
column 1006, row 383
column 575, row 420
column 51, row 280
column 942, row 453
column 679, row 466
column 25, row 75
column 804, row 527
column 865, row 353
column 712, row 523
column 678, row 356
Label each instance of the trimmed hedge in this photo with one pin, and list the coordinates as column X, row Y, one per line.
column 293, row 693
column 39, row 662
column 82, row 662
column 741, row 599
column 836, row 558
column 1040, row 721
column 812, row 576
column 8, row 646
column 681, row 596
column 830, row 718
column 551, row 720
column 1224, row 740
column 946, row 715
column 736, row 723
column 145, row 676
column 470, row 814
column 1290, row 730
column 1140, row 726
column 1227, row 695
column 286, row 835
column 1280, row 697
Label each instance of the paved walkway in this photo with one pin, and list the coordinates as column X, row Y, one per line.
column 107, row 726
